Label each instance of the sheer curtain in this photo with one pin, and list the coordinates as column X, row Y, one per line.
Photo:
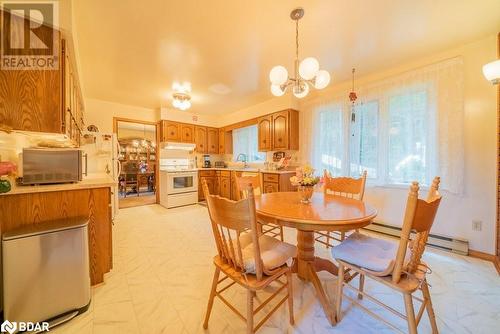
column 407, row 127
column 245, row 141
column 328, row 151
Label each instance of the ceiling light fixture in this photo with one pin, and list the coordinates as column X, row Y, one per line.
column 181, row 98
column 306, row 74
column 491, row 72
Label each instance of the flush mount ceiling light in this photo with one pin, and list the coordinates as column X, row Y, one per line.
column 181, row 98
column 306, row 74
column 491, row 72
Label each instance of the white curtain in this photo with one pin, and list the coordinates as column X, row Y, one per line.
column 408, row 127
column 245, row 141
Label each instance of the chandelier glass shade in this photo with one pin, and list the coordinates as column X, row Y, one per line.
column 491, row 72
column 181, row 101
column 181, row 98
column 306, row 73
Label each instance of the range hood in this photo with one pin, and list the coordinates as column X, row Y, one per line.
column 169, row 145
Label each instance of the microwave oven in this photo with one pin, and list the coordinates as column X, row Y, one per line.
column 51, row 165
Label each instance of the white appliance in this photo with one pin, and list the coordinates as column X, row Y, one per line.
column 102, row 151
column 178, row 146
column 178, row 182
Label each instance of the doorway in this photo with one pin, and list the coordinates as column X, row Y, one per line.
column 138, row 179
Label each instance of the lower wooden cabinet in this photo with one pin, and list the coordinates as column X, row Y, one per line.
column 270, row 187
column 275, row 182
column 225, row 187
column 94, row 204
column 211, row 183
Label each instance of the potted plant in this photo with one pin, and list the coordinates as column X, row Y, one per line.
column 305, row 181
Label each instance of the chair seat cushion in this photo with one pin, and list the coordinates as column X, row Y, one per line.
column 373, row 254
column 274, row 253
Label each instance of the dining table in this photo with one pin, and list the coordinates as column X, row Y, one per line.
column 324, row 212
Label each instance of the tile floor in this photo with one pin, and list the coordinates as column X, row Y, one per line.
column 162, row 274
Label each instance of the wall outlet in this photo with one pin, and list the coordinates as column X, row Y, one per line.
column 477, row 225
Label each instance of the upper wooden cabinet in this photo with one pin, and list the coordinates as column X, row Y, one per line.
column 170, row 131
column 44, row 100
column 279, row 131
column 187, row 133
column 222, row 140
column 177, row 132
column 212, row 140
column 265, row 133
column 201, row 139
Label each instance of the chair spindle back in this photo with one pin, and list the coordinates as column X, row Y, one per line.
column 229, row 219
column 419, row 217
column 345, row 186
column 242, row 184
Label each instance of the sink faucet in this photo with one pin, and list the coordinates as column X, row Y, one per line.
column 243, row 159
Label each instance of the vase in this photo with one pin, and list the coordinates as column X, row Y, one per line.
column 305, row 193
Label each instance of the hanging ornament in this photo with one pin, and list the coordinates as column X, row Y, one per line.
column 353, row 97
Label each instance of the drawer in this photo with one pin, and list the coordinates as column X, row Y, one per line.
column 206, row 173
column 225, row 173
column 270, row 187
column 271, row 177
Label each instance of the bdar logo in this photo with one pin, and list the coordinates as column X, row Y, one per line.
column 8, row 326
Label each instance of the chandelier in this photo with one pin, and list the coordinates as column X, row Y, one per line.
column 306, row 74
column 181, row 98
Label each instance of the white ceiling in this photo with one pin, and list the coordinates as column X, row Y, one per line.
column 132, row 51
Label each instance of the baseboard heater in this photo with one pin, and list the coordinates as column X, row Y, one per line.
column 455, row 245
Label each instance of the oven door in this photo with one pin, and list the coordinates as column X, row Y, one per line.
column 179, row 183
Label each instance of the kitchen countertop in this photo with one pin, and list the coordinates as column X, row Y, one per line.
column 92, row 181
column 251, row 170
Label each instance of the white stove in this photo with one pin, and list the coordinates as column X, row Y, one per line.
column 178, row 183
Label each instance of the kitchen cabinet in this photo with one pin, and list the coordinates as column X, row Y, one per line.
column 95, row 204
column 275, row 182
column 225, row 187
column 212, row 141
column 44, row 100
column 270, row 187
column 265, row 130
column 201, row 139
column 171, row 131
column 210, row 177
column 187, row 133
column 73, row 117
column 222, row 140
column 279, row 131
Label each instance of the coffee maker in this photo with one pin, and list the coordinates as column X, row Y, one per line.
column 206, row 161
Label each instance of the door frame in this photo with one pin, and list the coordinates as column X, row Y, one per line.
column 157, row 129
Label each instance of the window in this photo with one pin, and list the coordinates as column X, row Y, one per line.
column 407, row 137
column 364, row 140
column 328, row 146
column 389, row 138
column 245, row 141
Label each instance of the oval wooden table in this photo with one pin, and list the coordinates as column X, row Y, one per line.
column 324, row 213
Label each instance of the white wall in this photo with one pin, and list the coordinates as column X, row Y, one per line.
column 101, row 113
column 478, row 202
column 275, row 104
column 188, row 117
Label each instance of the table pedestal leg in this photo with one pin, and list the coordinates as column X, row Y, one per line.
column 308, row 265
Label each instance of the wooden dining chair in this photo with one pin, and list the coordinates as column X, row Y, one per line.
column 398, row 266
column 269, row 227
column 246, row 257
column 341, row 186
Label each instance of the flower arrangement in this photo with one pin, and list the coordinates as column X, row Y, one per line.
column 304, row 176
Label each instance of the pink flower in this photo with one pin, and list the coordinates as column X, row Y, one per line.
column 7, row 168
